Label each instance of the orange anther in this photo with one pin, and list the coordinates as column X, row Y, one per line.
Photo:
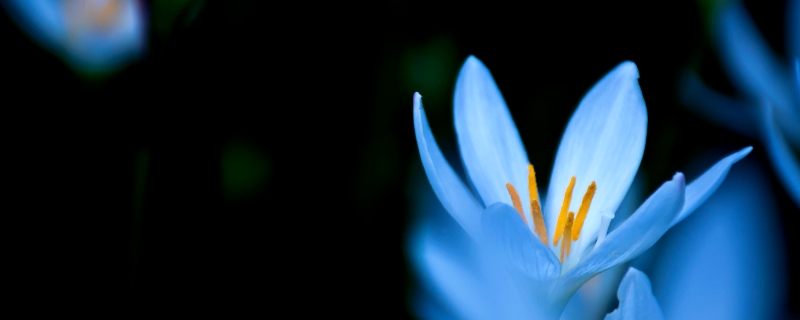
column 562, row 217
column 515, row 201
column 584, row 209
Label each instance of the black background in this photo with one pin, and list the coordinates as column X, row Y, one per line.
column 325, row 91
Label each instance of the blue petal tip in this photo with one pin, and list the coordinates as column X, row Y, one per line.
column 679, row 178
column 628, row 68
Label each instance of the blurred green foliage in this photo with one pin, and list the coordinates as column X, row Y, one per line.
column 169, row 14
column 245, row 170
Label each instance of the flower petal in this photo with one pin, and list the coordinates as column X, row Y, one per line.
column 634, row 236
column 724, row 111
column 604, row 142
column 701, row 188
column 458, row 280
column 750, row 63
column 452, row 192
column 727, row 260
column 780, row 154
column 793, row 28
column 490, row 145
column 507, row 235
column 636, row 300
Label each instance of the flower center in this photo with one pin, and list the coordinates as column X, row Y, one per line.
column 569, row 225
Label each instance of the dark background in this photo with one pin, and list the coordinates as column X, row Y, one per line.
column 258, row 157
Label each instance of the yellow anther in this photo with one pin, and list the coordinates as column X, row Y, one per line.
column 515, row 201
column 562, row 217
column 538, row 221
column 532, row 189
column 567, row 244
column 587, row 200
column 536, row 210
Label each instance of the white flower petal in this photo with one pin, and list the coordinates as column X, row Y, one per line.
column 703, row 187
column 452, row 192
column 490, row 145
column 507, row 236
column 604, row 142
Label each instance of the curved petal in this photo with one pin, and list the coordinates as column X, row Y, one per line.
column 783, row 160
column 634, row 236
column 727, row 260
column 703, row 187
column 452, row 192
column 748, row 60
column 715, row 107
column 604, row 142
column 458, row 280
column 490, row 145
column 636, row 300
column 507, row 235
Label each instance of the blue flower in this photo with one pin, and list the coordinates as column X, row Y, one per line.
column 770, row 108
column 550, row 248
column 90, row 35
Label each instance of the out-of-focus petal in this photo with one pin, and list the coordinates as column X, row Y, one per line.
column 700, row 189
column 92, row 36
column 780, row 154
column 726, row 260
column 457, row 279
column 452, row 192
column 747, row 58
column 636, row 300
column 793, row 28
column 507, row 235
column 724, row 111
column 634, row 236
column 603, row 142
column 490, row 145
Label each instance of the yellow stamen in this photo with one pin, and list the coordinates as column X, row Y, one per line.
column 562, row 217
column 532, row 189
column 587, row 200
column 515, row 201
column 538, row 222
column 536, row 211
column 567, row 245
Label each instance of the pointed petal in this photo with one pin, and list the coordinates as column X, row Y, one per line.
column 747, row 58
column 452, row 192
column 604, row 142
column 490, row 145
column 508, row 236
column 634, row 236
column 703, row 187
column 780, row 154
column 715, row 107
column 636, row 300
column 727, row 260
